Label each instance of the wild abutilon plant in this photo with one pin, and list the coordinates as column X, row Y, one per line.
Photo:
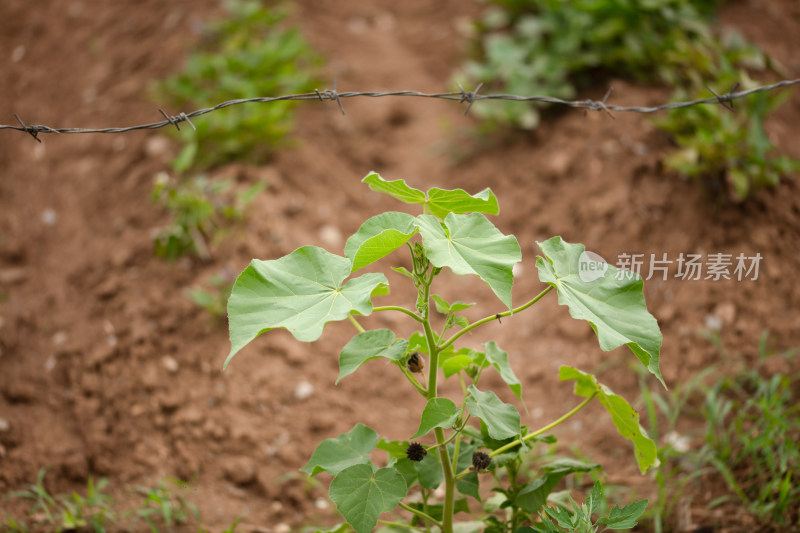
column 309, row 287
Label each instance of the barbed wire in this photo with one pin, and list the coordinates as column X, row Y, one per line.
column 470, row 97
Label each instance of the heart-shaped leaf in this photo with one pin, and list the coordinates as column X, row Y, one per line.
column 438, row 413
column 378, row 237
column 501, row 419
column 348, row 449
column 470, row 244
column 369, row 345
column 625, row 418
column 613, row 303
column 301, row 292
column 361, row 494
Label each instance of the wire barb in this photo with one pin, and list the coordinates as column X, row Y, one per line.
column 469, row 96
column 30, row 129
column 726, row 100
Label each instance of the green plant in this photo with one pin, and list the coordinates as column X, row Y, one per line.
column 165, row 505
column 729, row 152
column 555, row 48
column 214, row 298
column 247, row 55
column 67, row 512
column 753, row 426
column 201, row 210
column 306, row 289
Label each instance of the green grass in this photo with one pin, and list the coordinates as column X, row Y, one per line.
column 162, row 508
column 250, row 53
column 750, row 427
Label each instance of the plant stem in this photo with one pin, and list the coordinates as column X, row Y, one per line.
column 449, row 483
column 483, row 321
column 536, row 433
column 355, row 323
column 420, row 514
column 409, row 312
column 548, row 427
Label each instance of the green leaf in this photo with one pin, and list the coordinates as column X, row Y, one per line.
column 468, row 486
column 625, row 517
column 444, row 307
column 438, row 413
column 625, row 418
column 501, row 419
column 396, row 188
column 470, row 244
column 370, row 345
column 499, row 360
column 455, row 364
column 534, row 495
column 348, row 449
column 441, row 202
column 361, row 494
column 615, row 308
column 301, row 292
column 429, row 471
column 378, row 237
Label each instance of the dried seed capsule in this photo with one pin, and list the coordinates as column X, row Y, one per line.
column 416, row 451
column 480, row 461
column 416, row 363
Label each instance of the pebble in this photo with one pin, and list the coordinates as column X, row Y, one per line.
column 303, row 390
column 49, row 217
column 4, row 425
column 12, row 276
column 170, row 364
column 330, row 236
column 239, row 470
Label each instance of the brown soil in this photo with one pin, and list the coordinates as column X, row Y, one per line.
column 107, row 369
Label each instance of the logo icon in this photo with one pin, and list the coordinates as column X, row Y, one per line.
column 591, row 267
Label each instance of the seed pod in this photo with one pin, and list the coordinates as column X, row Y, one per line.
column 416, row 363
column 480, row 461
column 416, row 451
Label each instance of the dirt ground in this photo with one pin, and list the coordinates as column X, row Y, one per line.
column 107, row 369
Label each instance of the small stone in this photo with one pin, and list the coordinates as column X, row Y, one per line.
column 170, row 364
column 283, row 528
column 4, row 425
column 49, row 217
column 59, row 338
column 18, row 53
column 330, row 236
column 191, row 415
column 726, row 312
column 303, row 390
column 13, row 276
column 239, row 470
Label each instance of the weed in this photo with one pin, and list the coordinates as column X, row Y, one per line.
column 753, row 426
column 165, row 505
column 66, row 512
column 201, row 210
column 558, row 48
column 214, row 297
column 306, row 289
column 246, row 55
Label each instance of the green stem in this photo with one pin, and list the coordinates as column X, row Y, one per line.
column 536, row 433
column 409, row 312
column 449, row 483
column 548, row 427
column 483, row 321
column 420, row 514
column 355, row 323
column 413, row 381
